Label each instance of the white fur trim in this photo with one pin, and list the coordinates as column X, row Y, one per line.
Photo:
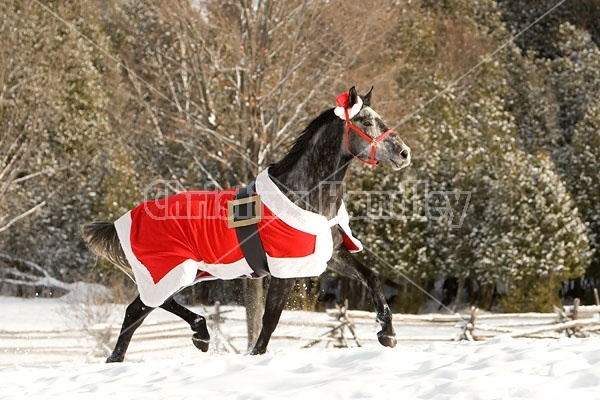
column 226, row 271
column 343, row 220
column 355, row 109
column 285, row 209
column 154, row 294
column 151, row 294
column 302, row 267
column 299, row 218
column 311, row 265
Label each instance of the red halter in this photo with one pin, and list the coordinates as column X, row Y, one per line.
column 373, row 142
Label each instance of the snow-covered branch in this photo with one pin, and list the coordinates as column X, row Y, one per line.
column 12, row 221
column 28, row 273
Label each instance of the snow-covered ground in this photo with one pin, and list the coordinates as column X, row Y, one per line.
column 63, row 364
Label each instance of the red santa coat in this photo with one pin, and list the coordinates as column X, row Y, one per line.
column 179, row 240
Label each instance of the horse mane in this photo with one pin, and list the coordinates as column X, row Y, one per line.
column 302, row 143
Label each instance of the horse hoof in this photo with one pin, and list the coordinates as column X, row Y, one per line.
column 387, row 340
column 200, row 342
column 114, row 359
column 258, row 352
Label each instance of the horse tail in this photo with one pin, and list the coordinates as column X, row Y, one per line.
column 102, row 240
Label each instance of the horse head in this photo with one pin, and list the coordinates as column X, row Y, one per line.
column 368, row 137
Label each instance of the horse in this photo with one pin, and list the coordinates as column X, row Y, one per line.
column 310, row 179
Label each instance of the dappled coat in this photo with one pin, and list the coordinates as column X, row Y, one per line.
column 179, row 240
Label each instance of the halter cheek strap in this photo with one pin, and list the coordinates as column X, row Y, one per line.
column 373, row 142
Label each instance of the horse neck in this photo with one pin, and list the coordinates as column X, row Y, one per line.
column 315, row 178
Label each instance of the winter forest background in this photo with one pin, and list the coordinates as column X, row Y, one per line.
column 102, row 102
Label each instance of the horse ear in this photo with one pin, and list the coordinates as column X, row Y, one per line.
column 352, row 96
column 367, row 98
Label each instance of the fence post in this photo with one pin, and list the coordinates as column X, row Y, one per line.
column 472, row 322
column 217, row 314
column 350, row 324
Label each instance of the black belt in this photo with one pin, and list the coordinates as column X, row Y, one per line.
column 244, row 215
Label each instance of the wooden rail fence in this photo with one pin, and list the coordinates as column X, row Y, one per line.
column 342, row 328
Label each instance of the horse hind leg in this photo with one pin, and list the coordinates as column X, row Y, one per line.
column 134, row 316
column 201, row 337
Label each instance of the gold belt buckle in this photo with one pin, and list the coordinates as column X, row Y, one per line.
column 231, row 217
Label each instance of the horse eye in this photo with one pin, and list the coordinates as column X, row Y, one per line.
column 368, row 123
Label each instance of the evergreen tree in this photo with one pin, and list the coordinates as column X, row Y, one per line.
column 584, row 178
column 470, row 145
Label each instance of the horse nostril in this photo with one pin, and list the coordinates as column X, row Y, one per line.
column 405, row 154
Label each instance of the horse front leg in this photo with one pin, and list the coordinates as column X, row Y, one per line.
column 277, row 295
column 347, row 265
column 135, row 314
column 201, row 337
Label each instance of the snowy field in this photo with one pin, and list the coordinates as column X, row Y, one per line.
column 62, row 363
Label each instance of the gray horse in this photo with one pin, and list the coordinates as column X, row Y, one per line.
column 308, row 179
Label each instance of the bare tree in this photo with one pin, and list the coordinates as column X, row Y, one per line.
column 17, row 124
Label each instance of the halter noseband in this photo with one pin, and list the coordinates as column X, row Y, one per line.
column 373, row 142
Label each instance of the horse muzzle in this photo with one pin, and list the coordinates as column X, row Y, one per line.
column 402, row 160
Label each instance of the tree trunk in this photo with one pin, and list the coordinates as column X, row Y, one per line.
column 254, row 302
column 459, row 292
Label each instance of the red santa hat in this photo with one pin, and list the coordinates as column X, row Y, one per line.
column 342, row 105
